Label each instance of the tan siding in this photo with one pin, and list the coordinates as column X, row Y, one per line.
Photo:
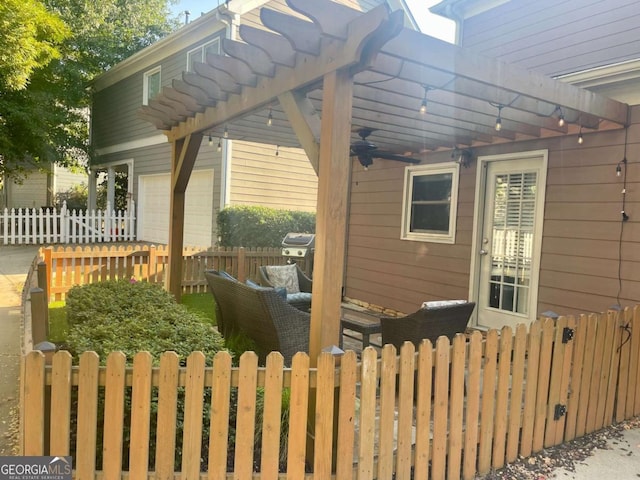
column 259, row 177
column 399, row 274
column 582, row 237
column 557, row 37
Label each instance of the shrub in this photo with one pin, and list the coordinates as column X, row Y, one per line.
column 247, row 226
column 131, row 317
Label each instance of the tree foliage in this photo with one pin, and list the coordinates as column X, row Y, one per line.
column 44, row 90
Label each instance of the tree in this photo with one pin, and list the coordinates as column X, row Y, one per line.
column 46, row 120
column 30, row 39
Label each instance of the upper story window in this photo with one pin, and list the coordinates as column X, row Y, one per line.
column 430, row 203
column 200, row 53
column 151, row 86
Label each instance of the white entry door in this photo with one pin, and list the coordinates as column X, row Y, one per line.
column 509, row 238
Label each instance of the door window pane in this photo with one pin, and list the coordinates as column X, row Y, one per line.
column 512, row 241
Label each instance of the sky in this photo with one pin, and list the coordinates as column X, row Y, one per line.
column 429, row 23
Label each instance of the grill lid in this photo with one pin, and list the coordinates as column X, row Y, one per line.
column 299, row 240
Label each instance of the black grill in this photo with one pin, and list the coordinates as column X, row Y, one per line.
column 298, row 244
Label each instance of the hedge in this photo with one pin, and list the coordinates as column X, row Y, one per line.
column 249, row 226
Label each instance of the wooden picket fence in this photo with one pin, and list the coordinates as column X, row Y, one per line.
column 447, row 412
column 24, row 226
column 69, row 266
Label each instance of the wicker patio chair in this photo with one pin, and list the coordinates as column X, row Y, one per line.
column 445, row 319
column 261, row 314
column 301, row 300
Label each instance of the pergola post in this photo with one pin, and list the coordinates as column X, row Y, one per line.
column 331, row 216
column 183, row 156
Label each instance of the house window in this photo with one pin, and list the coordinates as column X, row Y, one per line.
column 430, row 203
column 151, row 86
column 200, row 54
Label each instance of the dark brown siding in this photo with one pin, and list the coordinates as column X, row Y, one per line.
column 590, row 258
column 557, row 37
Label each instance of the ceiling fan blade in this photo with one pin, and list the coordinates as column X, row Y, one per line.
column 392, row 156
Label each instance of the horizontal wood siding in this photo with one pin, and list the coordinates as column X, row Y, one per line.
column 557, row 37
column 114, row 111
column 583, row 239
column 259, row 177
column 31, row 192
column 399, row 274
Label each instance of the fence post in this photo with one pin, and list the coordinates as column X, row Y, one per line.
column 39, row 316
column 47, row 254
column 64, row 218
column 241, row 264
column 43, row 280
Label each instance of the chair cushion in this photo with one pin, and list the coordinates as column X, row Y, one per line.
column 226, row 275
column 299, row 297
column 284, row 276
column 442, row 303
column 279, row 290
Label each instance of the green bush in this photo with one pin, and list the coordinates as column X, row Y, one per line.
column 246, row 226
column 132, row 317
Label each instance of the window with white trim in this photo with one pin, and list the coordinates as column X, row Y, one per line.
column 151, row 85
column 200, row 53
column 430, row 203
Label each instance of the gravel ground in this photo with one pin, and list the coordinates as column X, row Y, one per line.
column 544, row 464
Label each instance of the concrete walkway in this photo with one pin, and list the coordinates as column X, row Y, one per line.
column 14, row 265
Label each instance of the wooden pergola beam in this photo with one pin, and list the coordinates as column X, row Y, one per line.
column 183, row 156
column 476, row 70
column 377, row 24
column 305, row 121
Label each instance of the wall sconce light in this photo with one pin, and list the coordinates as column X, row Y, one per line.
column 270, row 117
column 580, row 137
column 462, row 157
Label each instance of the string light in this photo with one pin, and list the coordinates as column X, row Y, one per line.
column 561, row 121
column 226, row 132
column 277, row 150
column 270, row 117
column 580, row 137
column 499, row 118
column 423, row 104
column 219, row 145
column 210, row 140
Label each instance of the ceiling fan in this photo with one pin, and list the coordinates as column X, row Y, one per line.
column 366, row 151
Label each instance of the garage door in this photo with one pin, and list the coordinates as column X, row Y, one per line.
column 153, row 209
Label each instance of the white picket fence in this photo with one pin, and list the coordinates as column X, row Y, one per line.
column 23, row 226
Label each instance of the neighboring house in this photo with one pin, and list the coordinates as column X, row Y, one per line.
column 226, row 172
column 39, row 187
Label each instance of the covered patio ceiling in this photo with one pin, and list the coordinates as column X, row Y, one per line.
column 326, row 68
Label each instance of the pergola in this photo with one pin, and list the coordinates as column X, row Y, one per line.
column 324, row 70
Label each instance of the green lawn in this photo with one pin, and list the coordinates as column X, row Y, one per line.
column 199, row 303
column 202, row 304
